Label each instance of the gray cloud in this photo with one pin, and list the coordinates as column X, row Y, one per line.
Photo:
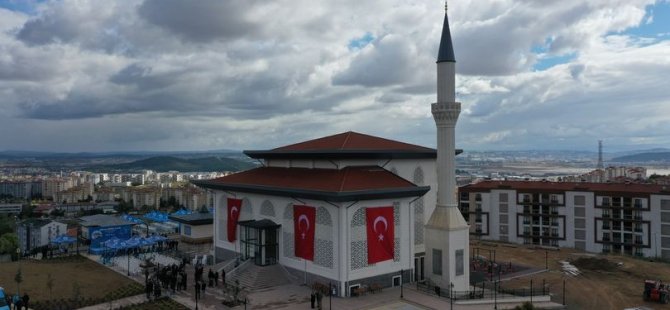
column 203, row 20
column 82, row 75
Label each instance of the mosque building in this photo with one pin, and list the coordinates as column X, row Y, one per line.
column 352, row 209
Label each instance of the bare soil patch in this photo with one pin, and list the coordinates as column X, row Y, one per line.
column 617, row 284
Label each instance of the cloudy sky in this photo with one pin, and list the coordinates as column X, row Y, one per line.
column 163, row 75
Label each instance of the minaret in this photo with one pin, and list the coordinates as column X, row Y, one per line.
column 447, row 233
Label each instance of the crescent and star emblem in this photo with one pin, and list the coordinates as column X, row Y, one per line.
column 234, row 209
column 300, row 218
column 386, row 226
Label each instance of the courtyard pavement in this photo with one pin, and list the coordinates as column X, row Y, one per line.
column 293, row 296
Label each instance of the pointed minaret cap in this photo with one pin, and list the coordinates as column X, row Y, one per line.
column 446, row 53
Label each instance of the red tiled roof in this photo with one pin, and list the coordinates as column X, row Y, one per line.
column 565, row 186
column 326, row 184
column 352, row 141
column 348, row 145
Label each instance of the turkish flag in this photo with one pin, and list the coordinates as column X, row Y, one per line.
column 379, row 222
column 304, row 222
column 234, row 207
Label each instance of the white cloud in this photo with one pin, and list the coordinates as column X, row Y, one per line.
column 87, row 75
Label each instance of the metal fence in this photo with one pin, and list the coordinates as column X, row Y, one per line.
column 484, row 290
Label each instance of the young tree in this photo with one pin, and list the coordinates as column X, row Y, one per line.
column 18, row 278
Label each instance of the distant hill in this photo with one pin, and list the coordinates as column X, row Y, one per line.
column 644, row 157
column 169, row 163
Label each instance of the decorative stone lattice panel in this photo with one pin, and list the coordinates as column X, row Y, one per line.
column 267, row 209
column 359, row 254
column 289, row 247
column 396, row 249
column 287, row 228
column 324, row 245
column 418, row 221
column 323, row 217
column 323, row 253
column 418, row 176
column 359, row 218
column 396, row 222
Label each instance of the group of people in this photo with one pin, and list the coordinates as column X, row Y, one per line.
column 17, row 302
column 212, row 279
column 171, row 278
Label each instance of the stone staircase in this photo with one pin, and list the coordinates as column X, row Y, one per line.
column 255, row 278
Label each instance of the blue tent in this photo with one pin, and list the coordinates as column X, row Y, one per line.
column 157, row 216
column 64, row 239
column 182, row 212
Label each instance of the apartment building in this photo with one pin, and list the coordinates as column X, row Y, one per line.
column 626, row 218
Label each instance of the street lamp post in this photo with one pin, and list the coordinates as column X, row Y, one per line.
column 18, row 259
column 128, row 254
column 546, row 259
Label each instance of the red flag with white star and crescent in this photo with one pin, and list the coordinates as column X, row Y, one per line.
column 304, row 224
column 234, row 207
column 379, row 222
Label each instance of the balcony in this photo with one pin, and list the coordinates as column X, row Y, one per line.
column 638, row 242
column 554, row 223
column 555, row 235
column 606, row 226
column 478, row 231
column 526, row 222
column 637, row 217
column 638, row 206
column 606, row 239
column 606, row 215
column 554, row 212
column 638, row 229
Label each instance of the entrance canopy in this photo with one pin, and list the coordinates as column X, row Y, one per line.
column 262, row 224
column 258, row 240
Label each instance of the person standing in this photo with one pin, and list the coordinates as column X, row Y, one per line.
column 197, row 290
column 149, row 289
column 223, row 277
column 25, row 299
column 312, row 299
column 216, row 278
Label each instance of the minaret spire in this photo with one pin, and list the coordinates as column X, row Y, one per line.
column 446, row 52
column 447, row 233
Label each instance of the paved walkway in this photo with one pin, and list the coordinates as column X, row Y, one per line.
column 292, row 296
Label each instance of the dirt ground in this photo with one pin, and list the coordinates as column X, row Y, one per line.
column 94, row 280
column 592, row 289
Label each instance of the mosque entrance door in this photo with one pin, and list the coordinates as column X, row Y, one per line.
column 258, row 240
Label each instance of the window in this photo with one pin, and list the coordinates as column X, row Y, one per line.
column 503, row 197
column 459, row 262
column 580, row 200
column 437, row 262
column 187, row 230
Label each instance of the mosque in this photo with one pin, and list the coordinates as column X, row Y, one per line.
column 352, row 209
